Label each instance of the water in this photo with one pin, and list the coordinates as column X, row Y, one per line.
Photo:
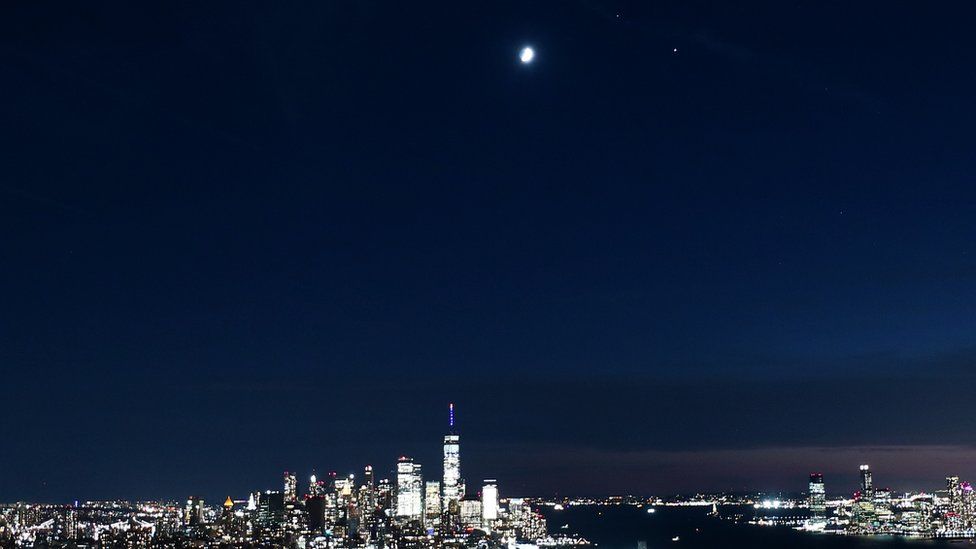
column 622, row 527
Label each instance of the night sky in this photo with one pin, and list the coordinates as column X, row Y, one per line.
column 691, row 246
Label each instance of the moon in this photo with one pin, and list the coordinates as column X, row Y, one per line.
column 526, row 55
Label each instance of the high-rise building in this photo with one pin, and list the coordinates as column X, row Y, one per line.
column 367, row 492
column 291, row 487
column 271, row 508
column 817, row 498
column 385, row 494
column 471, row 512
column 528, row 524
column 409, row 490
column 68, row 523
column 966, row 502
column 316, row 487
column 452, row 468
column 432, row 503
column 193, row 514
column 344, row 487
column 953, row 492
column 867, row 483
column 368, row 478
column 489, row 500
column 315, row 508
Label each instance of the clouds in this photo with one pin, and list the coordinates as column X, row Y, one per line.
column 773, row 468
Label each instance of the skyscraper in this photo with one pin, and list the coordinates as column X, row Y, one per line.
column 291, row 487
column 367, row 499
column 193, row 513
column 368, row 478
column 471, row 512
column 953, row 492
column 867, row 483
column 316, row 487
column 452, row 468
column 817, row 499
column 489, row 501
column 67, row 523
column 315, row 509
column 344, row 487
column 271, row 508
column 409, row 490
column 432, row 503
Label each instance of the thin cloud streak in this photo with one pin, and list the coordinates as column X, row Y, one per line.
column 594, row 471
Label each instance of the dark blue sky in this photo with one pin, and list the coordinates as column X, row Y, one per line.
column 239, row 238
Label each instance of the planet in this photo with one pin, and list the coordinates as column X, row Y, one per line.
column 526, row 55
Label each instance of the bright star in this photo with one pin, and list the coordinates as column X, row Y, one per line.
column 526, row 55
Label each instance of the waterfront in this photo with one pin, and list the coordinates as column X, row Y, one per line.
column 622, row 527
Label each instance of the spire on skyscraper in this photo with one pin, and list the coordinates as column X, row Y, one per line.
column 451, row 484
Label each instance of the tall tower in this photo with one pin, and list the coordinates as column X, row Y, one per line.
column 315, row 486
column 954, row 492
column 452, row 467
column 489, row 501
column 291, row 487
column 368, row 477
column 867, row 483
column 817, row 501
column 410, row 490
column 193, row 514
column 432, row 503
column 368, row 490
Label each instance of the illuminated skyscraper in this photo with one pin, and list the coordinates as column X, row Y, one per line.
column 271, row 508
column 966, row 499
column 291, row 487
column 344, row 487
column 953, row 492
column 452, row 468
column 67, row 524
column 489, row 501
column 385, row 494
column 368, row 478
column 367, row 498
column 867, row 483
column 193, row 513
column 528, row 524
column 316, row 487
column 471, row 512
column 817, row 499
column 432, row 503
column 409, row 490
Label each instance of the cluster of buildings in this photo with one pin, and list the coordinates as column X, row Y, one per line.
column 948, row 513
column 334, row 512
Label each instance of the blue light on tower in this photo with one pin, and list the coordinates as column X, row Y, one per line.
column 452, row 488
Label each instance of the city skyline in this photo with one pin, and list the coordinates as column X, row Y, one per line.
column 345, row 511
column 333, row 511
column 405, row 475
